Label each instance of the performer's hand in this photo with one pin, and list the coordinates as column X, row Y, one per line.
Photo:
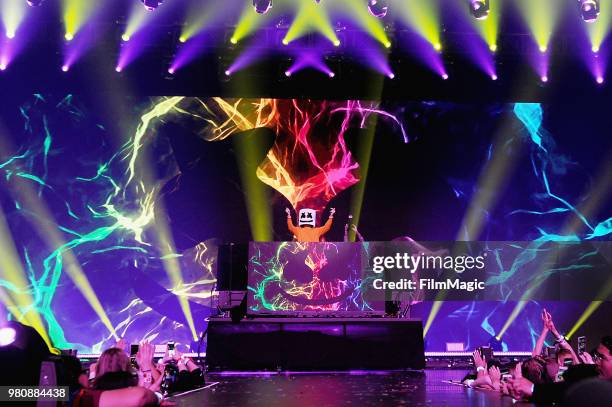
column 288, row 211
column 332, row 211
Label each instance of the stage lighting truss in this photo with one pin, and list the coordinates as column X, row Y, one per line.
column 35, row 3
column 262, row 6
column 589, row 9
column 151, row 5
column 479, row 9
column 378, row 8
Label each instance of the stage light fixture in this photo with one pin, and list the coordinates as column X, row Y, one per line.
column 287, row 73
column 589, row 9
column 35, row 3
column 600, row 80
column 544, row 78
column 378, row 8
column 65, row 68
column 7, row 336
column 331, row 74
column 151, row 5
column 262, row 6
column 479, row 9
column 494, row 77
column 2, row 66
column 445, row 76
column 391, row 75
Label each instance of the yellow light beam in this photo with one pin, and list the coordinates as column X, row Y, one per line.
column 541, row 16
column 249, row 22
column 172, row 267
column 43, row 222
column 18, row 298
column 248, row 149
column 599, row 30
column 367, row 21
column 12, row 14
column 423, row 16
column 311, row 17
column 76, row 13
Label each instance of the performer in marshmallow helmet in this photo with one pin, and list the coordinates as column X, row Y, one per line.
column 306, row 231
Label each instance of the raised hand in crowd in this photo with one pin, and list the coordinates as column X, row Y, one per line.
column 495, row 376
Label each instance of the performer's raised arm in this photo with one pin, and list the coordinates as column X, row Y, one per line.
column 325, row 228
column 292, row 228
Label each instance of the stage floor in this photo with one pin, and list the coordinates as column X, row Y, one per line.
column 339, row 389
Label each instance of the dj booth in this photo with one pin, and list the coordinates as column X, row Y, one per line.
column 303, row 307
column 315, row 344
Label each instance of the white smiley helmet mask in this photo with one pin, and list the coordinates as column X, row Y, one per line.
column 307, row 217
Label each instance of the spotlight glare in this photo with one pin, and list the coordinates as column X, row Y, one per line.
column 543, row 48
column 331, row 74
column 378, row 8
column 600, row 80
column 287, row 73
column 336, row 43
column 118, row 69
column 151, row 5
column 69, row 36
column 285, row 42
column 228, row 72
column 7, row 336
column 438, row 46
column 125, row 37
column 479, row 9
column 493, row 47
column 10, row 35
column 388, row 44
column 445, row 76
column 2, row 66
column 35, row 3
column 589, row 10
column 65, row 68
column 391, row 75
column 494, row 77
column 233, row 40
column 262, row 6
column 544, row 78
column 183, row 39
column 171, row 71
column 595, row 48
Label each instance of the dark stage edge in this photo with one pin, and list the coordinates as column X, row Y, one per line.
column 341, row 389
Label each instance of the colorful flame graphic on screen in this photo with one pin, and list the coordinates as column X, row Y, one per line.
column 309, row 163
